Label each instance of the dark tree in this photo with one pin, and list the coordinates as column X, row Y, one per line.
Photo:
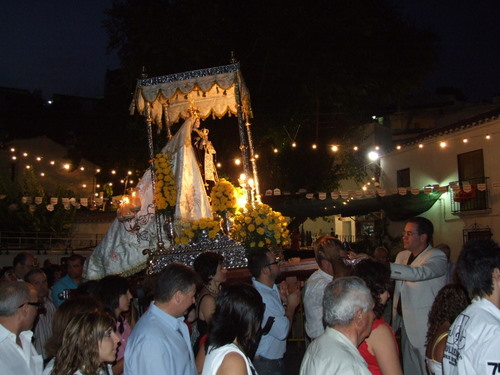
column 324, row 65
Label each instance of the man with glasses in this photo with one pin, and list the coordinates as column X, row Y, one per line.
column 420, row 272
column 278, row 316
column 18, row 309
column 43, row 326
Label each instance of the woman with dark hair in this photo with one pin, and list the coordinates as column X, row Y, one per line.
column 89, row 345
column 114, row 293
column 451, row 300
column 234, row 332
column 62, row 316
column 380, row 349
column 209, row 265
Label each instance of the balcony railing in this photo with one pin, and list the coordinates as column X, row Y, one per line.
column 472, row 195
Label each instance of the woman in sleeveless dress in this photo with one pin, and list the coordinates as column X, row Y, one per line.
column 451, row 300
column 234, row 332
column 210, row 268
column 380, row 349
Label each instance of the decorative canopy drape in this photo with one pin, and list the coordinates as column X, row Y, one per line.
column 211, row 91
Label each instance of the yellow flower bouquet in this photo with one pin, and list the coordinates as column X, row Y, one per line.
column 224, row 197
column 165, row 187
column 259, row 226
column 194, row 231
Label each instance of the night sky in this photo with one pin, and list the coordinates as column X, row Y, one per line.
column 60, row 46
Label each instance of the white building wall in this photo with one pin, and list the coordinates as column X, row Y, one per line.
column 432, row 165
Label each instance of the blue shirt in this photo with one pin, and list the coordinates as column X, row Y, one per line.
column 62, row 284
column 272, row 345
column 159, row 344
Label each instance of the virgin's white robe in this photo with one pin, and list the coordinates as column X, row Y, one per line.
column 120, row 251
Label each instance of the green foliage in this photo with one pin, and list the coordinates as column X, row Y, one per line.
column 17, row 215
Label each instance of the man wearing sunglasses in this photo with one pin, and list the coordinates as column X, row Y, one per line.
column 278, row 316
column 18, row 309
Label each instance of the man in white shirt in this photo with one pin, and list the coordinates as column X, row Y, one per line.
column 160, row 343
column 278, row 316
column 18, row 309
column 473, row 345
column 43, row 325
column 328, row 252
column 348, row 313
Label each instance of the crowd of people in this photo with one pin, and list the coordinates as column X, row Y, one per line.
column 363, row 315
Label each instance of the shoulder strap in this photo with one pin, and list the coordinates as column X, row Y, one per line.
column 269, row 324
column 438, row 340
column 198, row 304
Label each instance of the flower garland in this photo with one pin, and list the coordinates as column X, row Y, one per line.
column 260, row 226
column 165, row 189
column 193, row 231
column 224, row 197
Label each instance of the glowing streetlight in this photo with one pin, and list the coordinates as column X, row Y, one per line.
column 373, row 155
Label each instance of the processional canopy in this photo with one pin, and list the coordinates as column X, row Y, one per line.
column 212, row 91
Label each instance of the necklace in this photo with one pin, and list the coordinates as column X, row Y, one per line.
column 212, row 291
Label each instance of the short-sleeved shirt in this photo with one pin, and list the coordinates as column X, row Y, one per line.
column 334, row 354
column 62, row 284
column 159, row 344
column 273, row 344
column 313, row 302
column 473, row 345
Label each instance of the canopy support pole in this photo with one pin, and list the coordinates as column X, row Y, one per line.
column 152, row 170
column 243, row 139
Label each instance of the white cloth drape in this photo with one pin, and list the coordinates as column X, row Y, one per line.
column 120, row 251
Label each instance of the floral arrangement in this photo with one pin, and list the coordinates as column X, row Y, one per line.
column 165, row 189
column 224, row 197
column 194, row 230
column 259, row 226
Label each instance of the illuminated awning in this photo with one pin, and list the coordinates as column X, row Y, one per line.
column 212, row 91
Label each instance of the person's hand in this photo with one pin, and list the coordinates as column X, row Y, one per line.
column 293, row 299
column 352, row 258
column 283, row 288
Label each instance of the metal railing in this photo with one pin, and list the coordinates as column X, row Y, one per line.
column 43, row 241
column 471, row 198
